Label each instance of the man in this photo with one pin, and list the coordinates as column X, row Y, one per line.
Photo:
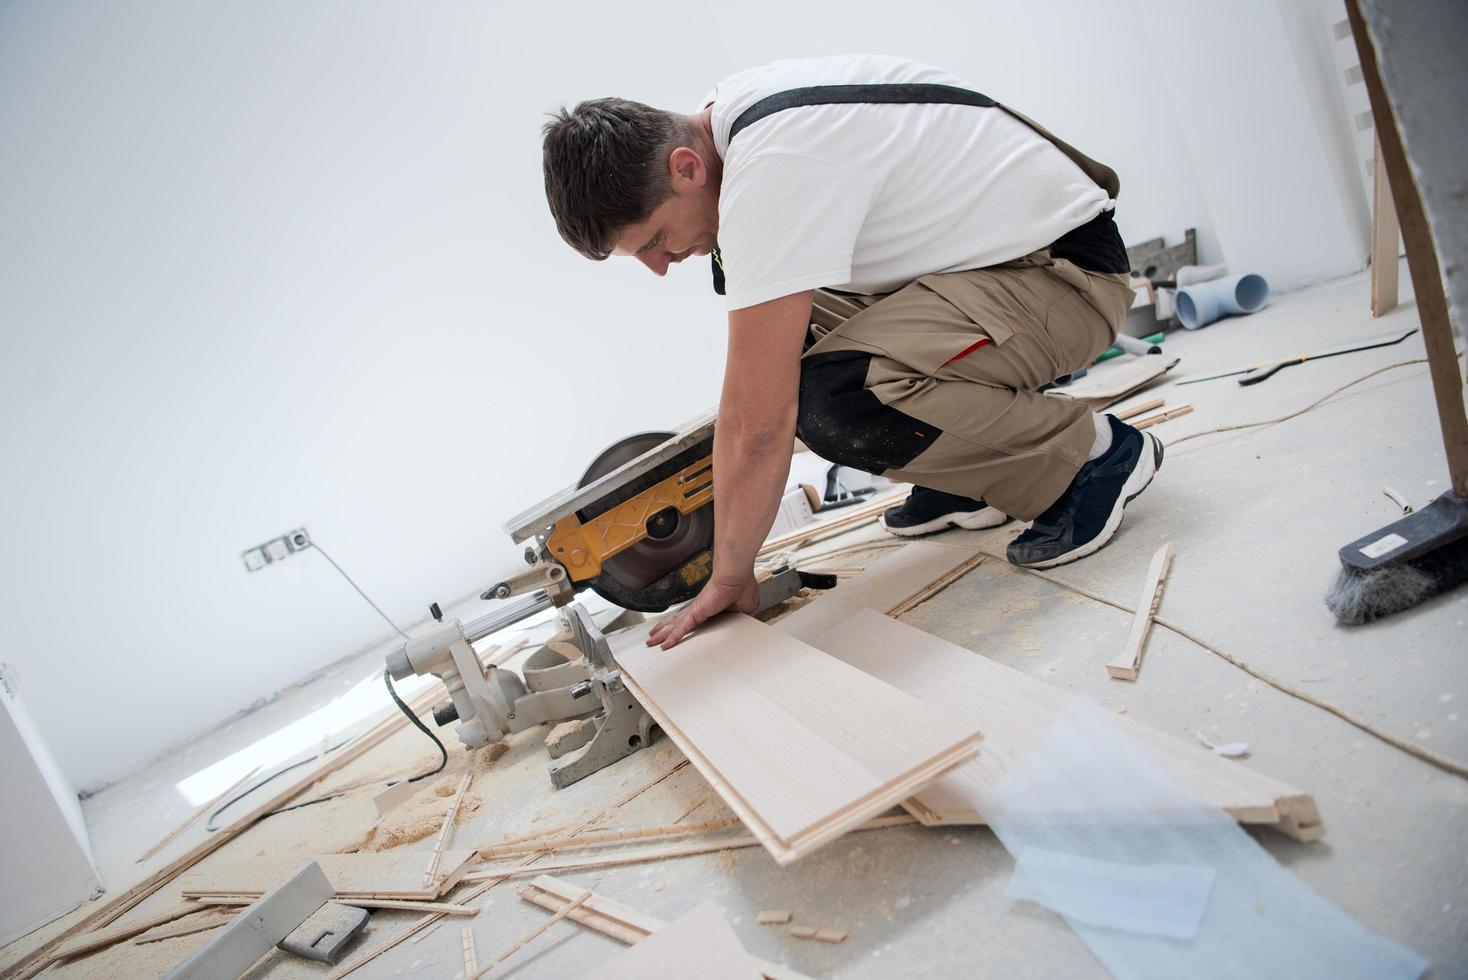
column 905, row 263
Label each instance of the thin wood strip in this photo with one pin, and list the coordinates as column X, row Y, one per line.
column 569, row 828
column 185, row 929
column 39, row 958
column 433, row 917
column 934, row 587
column 658, row 853
column 857, row 515
column 189, row 822
column 471, row 956
column 605, row 837
column 396, row 904
column 1152, row 420
column 620, row 922
column 101, row 940
column 1134, row 410
column 1384, row 234
column 533, row 933
column 448, row 826
column 1126, row 664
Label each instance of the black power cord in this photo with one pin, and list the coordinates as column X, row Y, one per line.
column 387, row 679
column 418, row 723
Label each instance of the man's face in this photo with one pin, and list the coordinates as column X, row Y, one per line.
column 687, row 223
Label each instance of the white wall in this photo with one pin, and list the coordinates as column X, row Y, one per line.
column 270, row 264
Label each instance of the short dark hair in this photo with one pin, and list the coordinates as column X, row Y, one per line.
column 605, row 166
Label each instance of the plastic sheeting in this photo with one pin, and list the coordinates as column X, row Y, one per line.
column 1157, row 883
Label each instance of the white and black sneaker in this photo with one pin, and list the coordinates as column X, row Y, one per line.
column 1089, row 512
column 930, row 511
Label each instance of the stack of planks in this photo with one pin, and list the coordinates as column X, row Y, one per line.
column 1013, row 708
column 801, row 746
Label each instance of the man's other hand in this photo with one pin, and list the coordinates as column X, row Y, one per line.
column 741, row 595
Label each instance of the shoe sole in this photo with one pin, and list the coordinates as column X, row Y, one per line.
column 1139, row 480
column 976, row 521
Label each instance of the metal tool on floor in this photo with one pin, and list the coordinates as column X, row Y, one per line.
column 638, row 531
column 1255, row 373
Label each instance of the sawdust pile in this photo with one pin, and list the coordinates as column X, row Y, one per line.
column 421, row 815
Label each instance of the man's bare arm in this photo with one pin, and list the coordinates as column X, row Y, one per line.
column 752, row 445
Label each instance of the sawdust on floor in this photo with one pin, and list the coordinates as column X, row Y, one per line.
column 422, row 814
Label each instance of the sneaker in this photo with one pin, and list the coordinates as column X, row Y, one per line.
column 1089, row 512
column 929, row 511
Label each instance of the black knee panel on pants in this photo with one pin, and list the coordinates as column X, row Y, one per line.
column 840, row 420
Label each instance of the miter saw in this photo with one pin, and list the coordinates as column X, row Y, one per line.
column 638, row 530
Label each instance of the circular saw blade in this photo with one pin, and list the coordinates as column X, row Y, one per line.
column 680, row 536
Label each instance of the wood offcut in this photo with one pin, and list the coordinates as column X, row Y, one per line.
column 1128, row 663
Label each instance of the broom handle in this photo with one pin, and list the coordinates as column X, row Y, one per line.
column 1422, row 262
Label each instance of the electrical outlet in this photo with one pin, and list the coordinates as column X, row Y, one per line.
column 276, row 549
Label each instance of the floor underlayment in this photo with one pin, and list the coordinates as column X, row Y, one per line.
column 1256, row 518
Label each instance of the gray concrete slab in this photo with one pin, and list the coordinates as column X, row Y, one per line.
column 1256, row 517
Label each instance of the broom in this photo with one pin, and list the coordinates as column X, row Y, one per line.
column 1425, row 553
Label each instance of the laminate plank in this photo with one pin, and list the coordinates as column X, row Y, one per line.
column 1015, row 709
column 800, row 745
column 621, row 922
column 390, row 874
column 888, row 584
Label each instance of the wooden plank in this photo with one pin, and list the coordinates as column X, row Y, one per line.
column 1015, row 710
column 1109, row 383
column 431, row 871
column 396, row 904
column 471, row 955
column 1127, row 663
column 530, row 936
column 698, row 943
column 606, row 837
column 849, row 517
column 773, row 917
column 1417, row 235
column 1385, row 233
column 907, row 573
column 1133, row 410
column 664, row 853
column 801, row 746
column 1161, row 417
column 37, row 960
column 429, row 920
column 189, row 822
column 621, row 922
column 201, row 924
column 258, row 927
column 389, row 874
column 101, row 940
column 819, row 934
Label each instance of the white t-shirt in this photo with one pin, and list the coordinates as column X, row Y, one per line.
column 866, row 198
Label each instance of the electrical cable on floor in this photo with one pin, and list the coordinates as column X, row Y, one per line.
column 417, row 723
column 387, row 678
column 209, row 824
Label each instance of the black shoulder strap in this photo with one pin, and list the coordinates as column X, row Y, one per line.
column 896, row 93
column 887, row 93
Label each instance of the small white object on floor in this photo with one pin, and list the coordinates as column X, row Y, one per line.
column 1229, row 750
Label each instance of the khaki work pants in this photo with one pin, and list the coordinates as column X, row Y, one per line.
column 935, row 384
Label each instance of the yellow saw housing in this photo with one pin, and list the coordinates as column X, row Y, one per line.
column 582, row 547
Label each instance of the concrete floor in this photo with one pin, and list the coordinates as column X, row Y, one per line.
column 1256, row 518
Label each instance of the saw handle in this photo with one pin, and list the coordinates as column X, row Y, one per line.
column 1269, row 370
